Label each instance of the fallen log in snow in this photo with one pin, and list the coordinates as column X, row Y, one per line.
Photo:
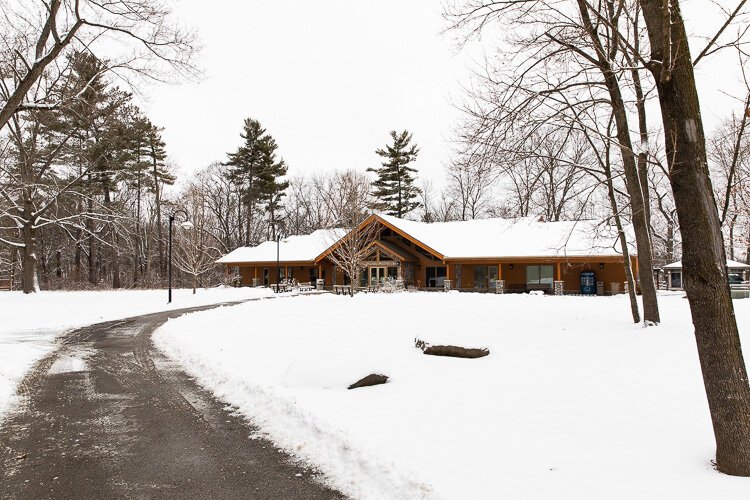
column 451, row 350
column 372, row 379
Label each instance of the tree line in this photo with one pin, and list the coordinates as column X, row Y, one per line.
column 88, row 189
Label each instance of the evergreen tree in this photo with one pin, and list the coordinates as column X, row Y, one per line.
column 272, row 187
column 394, row 188
column 98, row 145
column 254, row 170
column 136, row 178
column 160, row 176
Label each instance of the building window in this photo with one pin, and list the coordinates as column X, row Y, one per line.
column 484, row 276
column 436, row 276
column 540, row 275
column 392, row 272
column 480, row 276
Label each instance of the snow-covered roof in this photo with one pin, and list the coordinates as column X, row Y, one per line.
column 504, row 238
column 298, row 248
column 473, row 239
column 731, row 264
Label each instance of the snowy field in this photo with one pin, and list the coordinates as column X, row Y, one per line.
column 573, row 402
column 31, row 323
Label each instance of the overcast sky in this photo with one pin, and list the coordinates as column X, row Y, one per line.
column 329, row 79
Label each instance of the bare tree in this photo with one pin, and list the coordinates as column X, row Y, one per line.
column 470, row 183
column 351, row 251
column 567, row 64
column 38, row 34
column 703, row 255
column 195, row 253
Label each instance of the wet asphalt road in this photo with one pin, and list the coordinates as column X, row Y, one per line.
column 127, row 423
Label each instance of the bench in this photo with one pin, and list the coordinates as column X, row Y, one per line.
column 527, row 287
column 280, row 287
column 546, row 288
column 342, row 289
column 306, row 287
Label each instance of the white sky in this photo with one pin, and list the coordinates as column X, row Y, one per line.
column 329, row 79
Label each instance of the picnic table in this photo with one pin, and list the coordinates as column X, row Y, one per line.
column 280, row 287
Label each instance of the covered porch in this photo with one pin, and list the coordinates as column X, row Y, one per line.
column 558, row 276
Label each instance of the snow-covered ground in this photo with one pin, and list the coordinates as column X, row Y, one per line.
column 573, row 402
column 30, row 324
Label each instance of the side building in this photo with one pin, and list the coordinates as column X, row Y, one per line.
column 515, row 255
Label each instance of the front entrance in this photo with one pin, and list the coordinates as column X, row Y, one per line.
column 377, row 275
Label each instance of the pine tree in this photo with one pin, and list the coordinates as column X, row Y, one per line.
column 394, row 187
column 254, row 169
column 272, row 187
column 160, row 175
column 137, row 179
column 96, row 120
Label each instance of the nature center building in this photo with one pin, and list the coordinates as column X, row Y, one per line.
column 508, row 255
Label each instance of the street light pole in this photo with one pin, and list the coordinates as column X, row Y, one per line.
column 185, row 225
column 278, row 267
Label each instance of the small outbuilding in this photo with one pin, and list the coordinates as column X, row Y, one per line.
column 738, row 273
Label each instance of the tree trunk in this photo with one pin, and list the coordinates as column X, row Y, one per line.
column 703, row 259
column 116, row 282
column 623, row 241
column 731, row 236
column 637, row 204
column 30, row 280
column 58, row 269
column 670, row 241
column 632, row 178
column 137, row 239
column 159, row 237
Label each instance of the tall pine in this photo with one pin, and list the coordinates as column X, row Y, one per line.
column 253, row 168
column 272, row 185
column 394, row 188
column 156, row 155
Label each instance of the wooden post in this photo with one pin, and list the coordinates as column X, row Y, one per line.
column 499, row 271
column 559, row 273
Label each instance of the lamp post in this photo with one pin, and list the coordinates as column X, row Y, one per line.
column 276, row 227
column 278, row 268
column 186, row 224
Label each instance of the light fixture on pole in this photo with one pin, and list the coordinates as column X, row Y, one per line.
column 277, row 236
column 278, row 268
column 187, row 225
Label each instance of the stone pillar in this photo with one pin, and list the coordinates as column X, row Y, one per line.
column 320, row 283
column 499, row 286
column 559, row 287
column 256, row 282
column 447, row 285
column 625, row 288
column 399, row 284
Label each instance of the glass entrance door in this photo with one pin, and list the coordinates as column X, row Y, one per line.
column 377, row 276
